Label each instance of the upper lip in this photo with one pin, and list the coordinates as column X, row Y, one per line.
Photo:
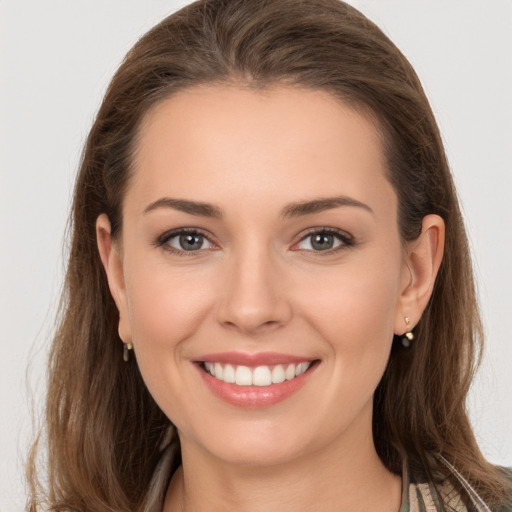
column 258, row 359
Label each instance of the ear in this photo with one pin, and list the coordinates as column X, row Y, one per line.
column 420, row 266
column 113, row 264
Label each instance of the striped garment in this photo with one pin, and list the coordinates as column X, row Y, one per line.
column 454, row 494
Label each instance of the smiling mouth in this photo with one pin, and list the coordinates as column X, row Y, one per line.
column 262, row 376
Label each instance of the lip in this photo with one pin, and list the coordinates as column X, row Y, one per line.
column 253, row 360
column 253, row 397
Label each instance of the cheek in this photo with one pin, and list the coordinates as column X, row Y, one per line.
column 354, row 310
column 165, row 305
column 165, row 308
column 354, row 315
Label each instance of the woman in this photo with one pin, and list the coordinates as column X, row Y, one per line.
column 269, row 295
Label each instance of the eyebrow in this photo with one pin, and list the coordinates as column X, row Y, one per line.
column 289, row 211
column 322, row 204
column 186, row 206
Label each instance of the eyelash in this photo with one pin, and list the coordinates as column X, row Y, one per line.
column 163, row 240
column 346, row 240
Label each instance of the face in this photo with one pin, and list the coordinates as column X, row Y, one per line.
column 260, row 244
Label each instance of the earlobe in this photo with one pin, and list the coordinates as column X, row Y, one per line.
column 113, row 265
column 421, row 265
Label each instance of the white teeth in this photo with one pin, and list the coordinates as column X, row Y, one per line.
column 243, row 376
column 229, row 374
column 209, row 368
column 259, row 376
column 290, row 372
column 218, row 371
column 301, row 368
column 262, row 376
column 278, row 374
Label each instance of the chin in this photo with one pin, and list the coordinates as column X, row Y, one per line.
column 257, row 454
column 256, row 444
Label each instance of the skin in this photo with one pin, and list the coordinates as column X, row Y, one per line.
column 258, row 285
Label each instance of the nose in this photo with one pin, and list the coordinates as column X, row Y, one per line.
column 254, row 299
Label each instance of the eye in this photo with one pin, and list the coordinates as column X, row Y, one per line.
column 185, row 241
column 324, row 240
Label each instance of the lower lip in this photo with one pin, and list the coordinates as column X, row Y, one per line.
column 255, row 396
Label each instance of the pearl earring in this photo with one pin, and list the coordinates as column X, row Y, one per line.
column 408, row 336
column 126, row 351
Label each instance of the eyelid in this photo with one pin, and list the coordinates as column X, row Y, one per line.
column 163, row 239
column 347, row 240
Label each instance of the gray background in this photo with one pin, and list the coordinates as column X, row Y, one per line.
column 56, row 60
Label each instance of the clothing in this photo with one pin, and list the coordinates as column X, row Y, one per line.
column 421, row 495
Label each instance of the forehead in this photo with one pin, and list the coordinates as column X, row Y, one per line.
column 219, row 142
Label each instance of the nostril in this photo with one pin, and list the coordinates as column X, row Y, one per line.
column 248, row 326
column 251, row 319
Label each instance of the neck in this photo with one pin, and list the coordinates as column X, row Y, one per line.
column 347, row 475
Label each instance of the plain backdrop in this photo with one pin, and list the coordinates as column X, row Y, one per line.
column 57, row 57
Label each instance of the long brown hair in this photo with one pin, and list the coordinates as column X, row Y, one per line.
column 104, row 431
